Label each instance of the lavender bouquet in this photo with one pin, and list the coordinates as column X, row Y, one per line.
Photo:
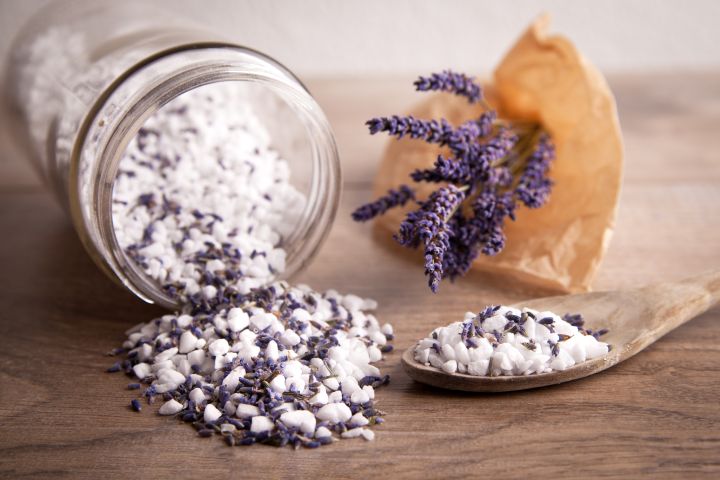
column 490, row 165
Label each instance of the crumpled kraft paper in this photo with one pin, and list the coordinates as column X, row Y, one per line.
column 545, row 79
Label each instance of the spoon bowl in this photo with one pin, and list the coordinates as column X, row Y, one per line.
column 635, row 319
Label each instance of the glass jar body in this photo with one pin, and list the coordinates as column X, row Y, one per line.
column 85, row 81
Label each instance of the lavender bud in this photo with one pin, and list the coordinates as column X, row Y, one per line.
column 449, row 81
column 394, row 198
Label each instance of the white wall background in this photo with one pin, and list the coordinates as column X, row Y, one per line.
column 342, row 37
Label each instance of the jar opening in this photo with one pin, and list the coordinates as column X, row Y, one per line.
column 230, row 162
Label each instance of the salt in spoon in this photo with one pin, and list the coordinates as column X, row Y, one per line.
column 636, row 318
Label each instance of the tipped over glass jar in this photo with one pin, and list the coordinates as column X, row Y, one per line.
column 175, row 152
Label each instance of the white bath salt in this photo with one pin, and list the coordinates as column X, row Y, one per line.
column 316, row 386
column 304, row 420
column 200, row 194
column 171, row 407
column 261, row 424
column 507, row 341
column 202, row 204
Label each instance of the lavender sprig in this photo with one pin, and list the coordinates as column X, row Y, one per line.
column 429, row 226
column 430, row 131
column 492, row 166
column 472, row 165
column 421, row 225
column 460, row 139
column 534, row 187
column 449, row 81
column 394, row 198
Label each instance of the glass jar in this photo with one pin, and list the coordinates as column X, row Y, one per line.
column 86, row 75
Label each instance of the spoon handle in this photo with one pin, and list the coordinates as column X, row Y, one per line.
column 681, row 301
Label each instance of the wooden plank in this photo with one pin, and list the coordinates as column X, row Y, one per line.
column 656, row 414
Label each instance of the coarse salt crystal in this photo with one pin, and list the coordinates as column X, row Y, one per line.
column 334, row 413
column 219, row 347
column 171, row 407
column 211, row 413
column 246, row 411
column 166, row 355
column 352, row 433
column 302, row 419
column 187, row 342
column 237, row 321
column 142, row 370
column 358, row 420
column 197, row 396
column 261, row 424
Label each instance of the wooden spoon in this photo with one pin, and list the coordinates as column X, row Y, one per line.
column 636, row 318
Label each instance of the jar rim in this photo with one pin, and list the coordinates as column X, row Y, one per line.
column 97, row 232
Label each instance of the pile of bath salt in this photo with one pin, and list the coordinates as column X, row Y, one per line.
column 506, row 341
column 278, row 365
column 202, row 204
column 200, row 193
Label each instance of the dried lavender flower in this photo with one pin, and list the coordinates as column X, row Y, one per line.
column 492, row 165
column 430, row 131
column 534, row 187
column 429, row 226
column 394, row 198
column 449, row 81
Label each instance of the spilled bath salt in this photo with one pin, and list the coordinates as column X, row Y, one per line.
column 278, row 365
column 507, row 341
column 202, row 204
column 200, row 191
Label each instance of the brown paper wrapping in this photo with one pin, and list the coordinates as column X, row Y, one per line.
column 542, row 78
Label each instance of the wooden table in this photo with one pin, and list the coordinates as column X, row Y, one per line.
column 658, row 414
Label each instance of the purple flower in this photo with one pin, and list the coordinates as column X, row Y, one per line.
column 464, row 138
column 394, row 198
column 429, row 226
column 494, row 165
column 449, row 81
column 534, row 187
column 434, row 255
column 421, row 225
column 463, row 248
column 490, row 210
column 485, row 122
column 445, row 170
column 430, row 131
column 471, row 165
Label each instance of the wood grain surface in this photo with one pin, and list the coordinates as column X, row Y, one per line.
column 656, row 415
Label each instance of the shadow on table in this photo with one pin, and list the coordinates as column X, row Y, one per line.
column 47, row 270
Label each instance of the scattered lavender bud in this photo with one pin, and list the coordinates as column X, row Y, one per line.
column 114, row 368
